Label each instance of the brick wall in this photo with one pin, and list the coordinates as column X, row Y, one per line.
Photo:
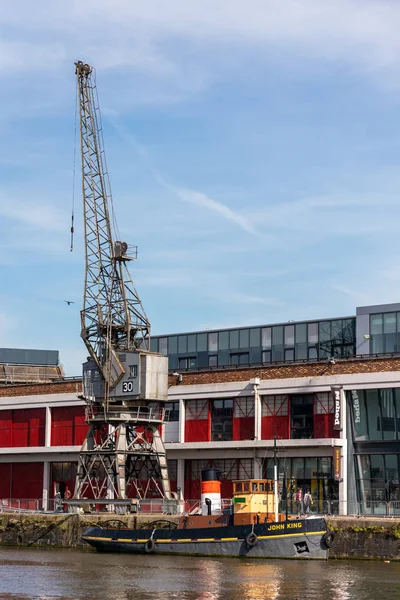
column 289, row 371
column 37, row 389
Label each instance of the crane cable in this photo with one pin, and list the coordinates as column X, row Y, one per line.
column 73, row 174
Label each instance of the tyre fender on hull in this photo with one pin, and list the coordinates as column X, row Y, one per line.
column 150, row 546
column 328, row 538
column 251, row 539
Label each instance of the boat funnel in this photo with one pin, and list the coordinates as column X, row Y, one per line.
column 210, row 492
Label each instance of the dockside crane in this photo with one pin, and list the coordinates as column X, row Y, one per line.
column 125, row 386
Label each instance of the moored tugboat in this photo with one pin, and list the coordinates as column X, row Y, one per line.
column 250, row 529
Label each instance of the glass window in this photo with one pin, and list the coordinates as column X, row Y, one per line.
column 234, row 339
column 213, row 342
column 254, row 338
column 182, row 344
column 266, row 340
column 173, row 344
column 349, row 331
column 301, row 333
column 183, row 363
column 192, row 362
column 376, row 324
column 191, row 343
column 154, row 345
column 244, row 341
column 312, row 353
column 266, row 358
column 374, row 416
column 244, row 358
column 289, row 354
column 173, row 408
column 223, row 341
column 337, row 331
column 201, row 342
column 389, row 329
column 277, row 335
column 312, row 333
column 324, row 331
column 289, row 335
column 388, row 423
column 301, row 351
column 392, row 471
column 389, row 323
column 163, row 346
column 213, row 360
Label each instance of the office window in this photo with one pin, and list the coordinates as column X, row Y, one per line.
column 240, row 358
column 202, row 342
column 312, row 333
column 289, row 354
column 191, row 343
column 173, row 344
column 163, row 346
column 221, row 419
column 173, row 408
column 213, row 360
column 182, row 344
column 254, row 338
column 234, row 339
column 266, row 339
column 312, row 353
column 213, row 342
column 289, row 335
column 389, row 330
column 244, row 340
column 266, row 356
column 223, row 341
column 187, row 362
column 154, row 345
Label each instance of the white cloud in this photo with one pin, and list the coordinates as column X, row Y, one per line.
column 130, row 33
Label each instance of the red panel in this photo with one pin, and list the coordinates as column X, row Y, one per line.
column 192, row 489
column 37, row 420
column 279, row 426
column 197, row 431
column 68, row 427
column 226, row 488
column 80, row 426
column 5, row 479
column 5, row 428
column 243, row 428
column 20, row 434
column 323, row 426
column 27, row 480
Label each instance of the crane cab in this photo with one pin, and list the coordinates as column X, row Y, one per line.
column 253, row 502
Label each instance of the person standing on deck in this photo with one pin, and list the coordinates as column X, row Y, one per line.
column 299, row 502
column 308, row 501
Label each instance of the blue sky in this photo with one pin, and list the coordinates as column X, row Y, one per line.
column 253, row 149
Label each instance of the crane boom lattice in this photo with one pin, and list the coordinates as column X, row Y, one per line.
column 125, row 385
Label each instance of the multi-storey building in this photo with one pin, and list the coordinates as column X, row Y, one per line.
column 326, row 392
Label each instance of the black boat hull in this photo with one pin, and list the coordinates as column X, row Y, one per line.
column 303, row 538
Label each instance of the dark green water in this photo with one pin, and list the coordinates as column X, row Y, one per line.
column 47, row 575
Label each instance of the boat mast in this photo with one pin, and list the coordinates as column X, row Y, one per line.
column 275, row 478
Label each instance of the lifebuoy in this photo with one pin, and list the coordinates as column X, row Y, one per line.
column 251, row 539
column 150, row 546
column 328, row 538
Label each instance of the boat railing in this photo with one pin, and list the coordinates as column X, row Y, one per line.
column 365, row 508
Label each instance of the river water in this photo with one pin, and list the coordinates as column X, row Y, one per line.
column 71, row 575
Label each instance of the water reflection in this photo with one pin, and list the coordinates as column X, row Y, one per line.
column 62, row 575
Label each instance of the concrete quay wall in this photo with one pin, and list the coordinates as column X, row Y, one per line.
column 355, row 538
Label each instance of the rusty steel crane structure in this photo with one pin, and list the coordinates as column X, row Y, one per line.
column 125, row 385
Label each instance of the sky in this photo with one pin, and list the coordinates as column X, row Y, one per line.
column 253, row 149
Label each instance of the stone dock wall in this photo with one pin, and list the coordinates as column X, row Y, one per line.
column 355, row 538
